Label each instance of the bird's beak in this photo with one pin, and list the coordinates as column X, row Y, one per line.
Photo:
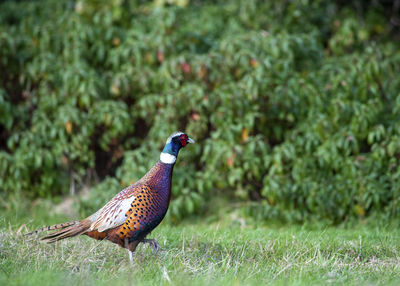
column 190, row 140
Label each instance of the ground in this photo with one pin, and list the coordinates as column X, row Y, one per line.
column 210, row 254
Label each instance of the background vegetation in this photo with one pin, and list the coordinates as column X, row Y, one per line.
column 294, row 104
column 295, row 108
column 210, row 255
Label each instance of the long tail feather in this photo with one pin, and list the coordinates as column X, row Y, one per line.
column 63, row 230
column 53, row 227
column 78, row 228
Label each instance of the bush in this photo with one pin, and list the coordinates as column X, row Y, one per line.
column 294, row 105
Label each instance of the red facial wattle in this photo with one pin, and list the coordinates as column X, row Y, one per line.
column 184, row 139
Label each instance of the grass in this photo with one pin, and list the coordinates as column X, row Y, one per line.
column 210, row 254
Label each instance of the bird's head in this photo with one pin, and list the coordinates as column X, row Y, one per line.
column 174, row 143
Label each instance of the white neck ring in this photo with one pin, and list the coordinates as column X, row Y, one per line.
column 167, row 158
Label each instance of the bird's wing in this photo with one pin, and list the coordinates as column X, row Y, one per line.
column 113, row 214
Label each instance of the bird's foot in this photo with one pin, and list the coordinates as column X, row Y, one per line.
column 153, row 243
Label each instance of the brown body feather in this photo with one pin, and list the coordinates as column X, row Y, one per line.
column 128, row 217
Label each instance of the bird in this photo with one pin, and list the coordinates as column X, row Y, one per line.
column 134, row 212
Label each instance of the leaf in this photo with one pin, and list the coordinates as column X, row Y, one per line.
column 245, row 134
column 68, row 127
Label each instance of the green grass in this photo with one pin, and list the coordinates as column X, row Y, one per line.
column 215, row 255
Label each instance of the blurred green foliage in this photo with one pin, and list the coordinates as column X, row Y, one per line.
column 294, row 104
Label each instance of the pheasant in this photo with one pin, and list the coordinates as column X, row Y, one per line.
column 134, row 212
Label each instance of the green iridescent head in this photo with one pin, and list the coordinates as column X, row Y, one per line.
column 173, row 144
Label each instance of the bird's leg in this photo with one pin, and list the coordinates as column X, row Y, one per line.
column 153, row 243
column 131, row 246
column 131, row 257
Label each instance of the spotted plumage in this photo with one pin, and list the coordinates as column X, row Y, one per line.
column 135, row 211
